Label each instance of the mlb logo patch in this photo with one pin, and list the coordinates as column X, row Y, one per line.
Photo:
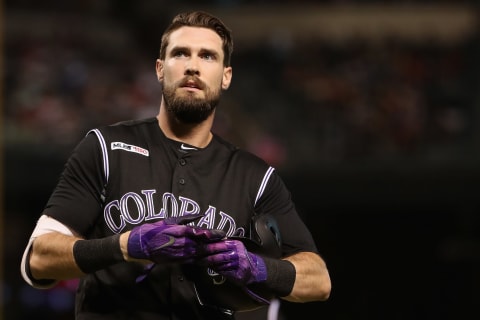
column 129, row 148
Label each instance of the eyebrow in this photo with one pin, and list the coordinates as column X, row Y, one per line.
column 179, row 48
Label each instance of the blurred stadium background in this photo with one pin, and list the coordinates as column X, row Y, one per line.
column 369, row 109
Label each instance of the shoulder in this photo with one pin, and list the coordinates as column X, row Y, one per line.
column 128, row 126
column 126, row 129
column 237, row 154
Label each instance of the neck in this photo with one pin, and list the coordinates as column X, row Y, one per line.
column 198, row 135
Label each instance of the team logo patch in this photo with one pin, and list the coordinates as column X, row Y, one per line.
column 129, row 148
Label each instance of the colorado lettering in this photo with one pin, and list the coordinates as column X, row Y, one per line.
column 134, row 208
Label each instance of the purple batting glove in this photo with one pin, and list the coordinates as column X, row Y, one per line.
column 170, row 240
column 231, row 259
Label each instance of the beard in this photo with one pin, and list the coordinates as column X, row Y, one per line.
column 187, row 108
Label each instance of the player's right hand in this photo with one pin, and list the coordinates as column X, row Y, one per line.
column 170, row 240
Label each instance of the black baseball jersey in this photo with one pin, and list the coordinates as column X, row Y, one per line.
column 130, row 173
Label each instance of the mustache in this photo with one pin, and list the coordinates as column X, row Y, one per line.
column 191, row 80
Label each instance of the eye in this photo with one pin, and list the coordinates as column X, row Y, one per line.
column 179, row 53
column 209, row 56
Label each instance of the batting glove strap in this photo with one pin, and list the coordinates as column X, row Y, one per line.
column 96, row 254
column 280, row 279
column 258, row 267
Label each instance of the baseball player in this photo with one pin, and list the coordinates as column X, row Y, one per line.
column 146, row 210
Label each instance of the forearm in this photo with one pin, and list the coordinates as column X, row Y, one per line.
column 312, row 281
column 57, row 256
column 52, row 257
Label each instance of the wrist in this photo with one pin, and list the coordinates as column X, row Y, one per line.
column 95, row 254
column 124, row 245
column 280, row 278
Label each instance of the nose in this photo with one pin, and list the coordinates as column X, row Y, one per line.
column 191, row 71
column 191, row 68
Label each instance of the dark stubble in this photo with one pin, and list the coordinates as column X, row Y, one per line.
column 187, row 108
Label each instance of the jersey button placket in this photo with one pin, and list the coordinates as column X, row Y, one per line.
column 180, row 172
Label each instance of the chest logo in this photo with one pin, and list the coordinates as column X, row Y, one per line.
column 185, row 147
column 129, row 148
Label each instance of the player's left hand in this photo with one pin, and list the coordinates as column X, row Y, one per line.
column 231, row 259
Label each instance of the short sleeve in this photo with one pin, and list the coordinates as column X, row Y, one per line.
column 277, row 201
column 77, row 198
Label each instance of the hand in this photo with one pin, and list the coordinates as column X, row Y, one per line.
column 231, row 259
column 170, row 240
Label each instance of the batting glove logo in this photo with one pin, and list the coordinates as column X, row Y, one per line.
column 217, row 279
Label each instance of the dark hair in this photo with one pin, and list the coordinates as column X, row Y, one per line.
column 202, row 20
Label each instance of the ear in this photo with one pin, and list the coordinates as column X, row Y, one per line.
column 227, row 77
column 159, row 69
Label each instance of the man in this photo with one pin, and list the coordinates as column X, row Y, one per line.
column 145, row 209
